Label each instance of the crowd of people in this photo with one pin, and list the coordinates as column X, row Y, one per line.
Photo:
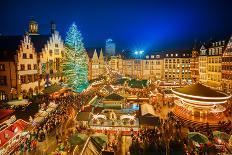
column 164, row 137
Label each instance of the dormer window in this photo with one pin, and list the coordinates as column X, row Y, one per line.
column 152, row 56
column 157, row 56
column 176, row 55
column 171, row 55
column 166, row 55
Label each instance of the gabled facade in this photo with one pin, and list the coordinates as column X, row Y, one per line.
column 96, row 65
column 214, row 64
column 50, row 58
column 27, row 68
column 194, row 66
column 203, row 64
column 227, row 68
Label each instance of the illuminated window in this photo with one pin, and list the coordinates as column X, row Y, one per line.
column 24, row 55
column 23, row 79
column 29, row 67
column 22, row 67
column 3, row 81
column 29, row 78
column 2, row 67
column 57, row 51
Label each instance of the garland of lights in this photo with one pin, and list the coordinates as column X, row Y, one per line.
column 75, row 67
column 201, row 97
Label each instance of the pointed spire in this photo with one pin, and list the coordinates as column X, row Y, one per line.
column 95, row 56
column 101, row 54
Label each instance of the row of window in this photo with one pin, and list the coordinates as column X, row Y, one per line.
column 28, row 78
column 226, row 76
column 214, row 68
column 56, row 52
column 22, row 67
column 25, row 56
column 226, row 67
column 214, row 60
column 214, row 77
column 167, row 55
column 177, row 60
column 215, row 51
column 157, row 62
column 227, row 59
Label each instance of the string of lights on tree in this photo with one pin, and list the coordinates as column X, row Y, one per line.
column 75, row 67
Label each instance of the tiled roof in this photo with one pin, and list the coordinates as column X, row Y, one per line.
column 39, row 41
column 114, row 97
column 8, row 46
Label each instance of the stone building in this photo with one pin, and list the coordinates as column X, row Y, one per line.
column 214, row 64
column 96, row 64
column 19, row 73
column 177, row 66
column 28, row 61
column 203, row 64
column 227, row 68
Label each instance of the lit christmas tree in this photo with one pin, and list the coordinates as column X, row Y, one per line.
column 75, row 67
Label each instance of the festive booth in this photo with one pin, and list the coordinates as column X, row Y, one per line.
column 200, row 103
column 148, row 118
column 11, row 136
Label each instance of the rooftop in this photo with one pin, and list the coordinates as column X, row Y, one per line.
column 199, row 90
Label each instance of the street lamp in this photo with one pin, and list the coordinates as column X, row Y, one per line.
column 140, row 53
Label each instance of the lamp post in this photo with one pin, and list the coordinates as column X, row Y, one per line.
column 139, row 53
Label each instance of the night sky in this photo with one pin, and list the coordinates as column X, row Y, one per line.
column 156, row 25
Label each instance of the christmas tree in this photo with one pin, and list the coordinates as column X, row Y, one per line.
column 75, row 65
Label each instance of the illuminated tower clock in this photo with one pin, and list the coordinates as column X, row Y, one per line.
column 33, row 27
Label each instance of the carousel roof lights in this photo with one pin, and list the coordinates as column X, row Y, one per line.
column 201, row 97
column 202, row 102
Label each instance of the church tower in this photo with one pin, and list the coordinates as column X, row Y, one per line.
column 101, row 62
column 33, row 27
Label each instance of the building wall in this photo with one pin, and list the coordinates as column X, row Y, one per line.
column 50, row 59
column 214, row 65
column 194, row 66
column 27, row 68
column 8, row 81
column 227, row 68
column 177, row 67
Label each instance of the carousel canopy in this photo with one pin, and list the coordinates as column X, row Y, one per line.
column 199, row 90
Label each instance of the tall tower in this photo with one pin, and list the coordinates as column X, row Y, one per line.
column 110, row 47
column 53, row 27
column 101, row 62
column 33, row 27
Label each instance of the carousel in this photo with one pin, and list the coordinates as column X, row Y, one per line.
column 199, row 103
